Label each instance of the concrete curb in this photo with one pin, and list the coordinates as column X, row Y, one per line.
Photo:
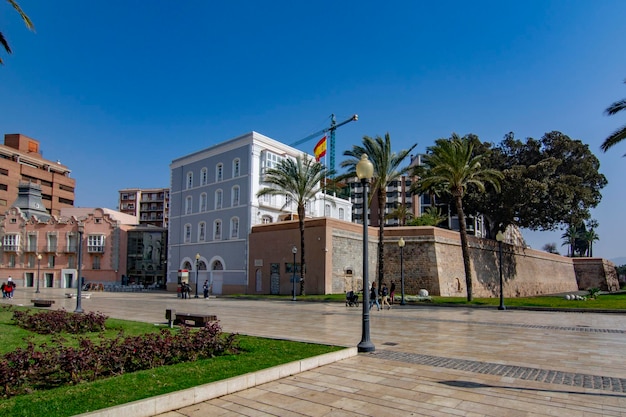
column 153, row 406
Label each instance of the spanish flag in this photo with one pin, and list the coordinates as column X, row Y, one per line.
column 320, row 149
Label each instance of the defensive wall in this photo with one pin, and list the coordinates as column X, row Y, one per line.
column 431, row 259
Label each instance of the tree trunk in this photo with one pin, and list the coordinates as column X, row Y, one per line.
column 301, row 214
column 464, row 246
column 382, row 200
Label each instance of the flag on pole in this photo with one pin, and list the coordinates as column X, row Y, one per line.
column 320, row 149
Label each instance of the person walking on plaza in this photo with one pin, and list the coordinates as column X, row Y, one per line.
column 374, row 296
column 385, row 295
column 205, row 289
column 10, row 287
column 392, row 292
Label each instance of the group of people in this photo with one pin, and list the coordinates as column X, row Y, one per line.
column 385, row 294
column 184, row 289
column 8, row 288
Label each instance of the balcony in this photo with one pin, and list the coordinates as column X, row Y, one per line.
column 95, row 248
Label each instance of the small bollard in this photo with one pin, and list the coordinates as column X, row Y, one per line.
column 170, row 315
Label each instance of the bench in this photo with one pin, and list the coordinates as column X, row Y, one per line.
column 74, row 295
column 198, row 320
column 42, row 303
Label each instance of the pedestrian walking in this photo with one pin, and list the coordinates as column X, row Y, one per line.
column 384, row 292
column 205, row 289
column 392, row 292
column 374, row 296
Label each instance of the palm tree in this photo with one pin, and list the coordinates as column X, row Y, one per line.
column 569, row 239
column 620, row 133
column 386, row 169
column 299, row 181
column 450, row 164
column 27, row 22
column 432, row 216
column 402, row 213
column 589, row 237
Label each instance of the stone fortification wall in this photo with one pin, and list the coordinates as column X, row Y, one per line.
column 432, row 260
column 596, row 273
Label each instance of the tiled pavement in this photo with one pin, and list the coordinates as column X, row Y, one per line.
column 429, row 361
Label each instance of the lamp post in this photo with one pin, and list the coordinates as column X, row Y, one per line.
column 401, row 244
column 79, row 308
column 197, row 264
column 365, row 171
column 294, row 250
column 38, row 269
column 500, row 238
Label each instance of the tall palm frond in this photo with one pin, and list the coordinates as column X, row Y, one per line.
column 620, row 134
column 27, row 22
column 300, row 181
column 452, row 166
column 386, row 168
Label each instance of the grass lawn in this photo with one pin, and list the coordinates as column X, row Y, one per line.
column 256, row 354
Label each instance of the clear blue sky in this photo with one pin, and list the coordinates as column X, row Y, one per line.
column 116, row 90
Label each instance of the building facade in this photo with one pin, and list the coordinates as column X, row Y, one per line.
column 213, row 205
column 149, row 205
column 21, row 161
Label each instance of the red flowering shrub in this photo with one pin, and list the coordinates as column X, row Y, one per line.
column 55, row 321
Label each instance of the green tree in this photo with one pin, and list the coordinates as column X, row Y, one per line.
column 550, row 248
column 569, row 238
column 547, row 184
column 619, row 135
column 452, row 164
column 27, row 22
column 589, row 237
column 403, row 213
column 299, row 181
column 432, row 216
column 386, row 169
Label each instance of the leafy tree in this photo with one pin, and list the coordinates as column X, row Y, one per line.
column 550, row 248
column 619, row 135
column 403, row 213
column 27, row 22
column 386, row 169
column 452, row 165
column 300, row 181
column 547, row 184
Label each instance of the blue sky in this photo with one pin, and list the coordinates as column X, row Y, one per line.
column 116, row 90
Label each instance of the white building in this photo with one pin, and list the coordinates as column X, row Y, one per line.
column 214, row 204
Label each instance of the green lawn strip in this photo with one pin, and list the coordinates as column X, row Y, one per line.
column 257, row 354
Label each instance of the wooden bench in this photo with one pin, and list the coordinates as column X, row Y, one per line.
column 42, row 303
column 198, row 320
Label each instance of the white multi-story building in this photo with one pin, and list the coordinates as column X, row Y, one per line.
column 214, row 204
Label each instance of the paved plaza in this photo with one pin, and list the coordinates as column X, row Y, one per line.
column 429, row 361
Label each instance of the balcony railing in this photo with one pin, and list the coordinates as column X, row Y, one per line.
column 95, row 249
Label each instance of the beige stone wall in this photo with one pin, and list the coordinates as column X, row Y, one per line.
column 432, row 260
column 596, row 273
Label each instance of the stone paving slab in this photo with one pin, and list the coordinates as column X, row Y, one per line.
column 429, row 361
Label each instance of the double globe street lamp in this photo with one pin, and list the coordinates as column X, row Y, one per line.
column 365, row 171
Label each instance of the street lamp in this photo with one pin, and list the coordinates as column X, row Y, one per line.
column 294, row 250
column 500, row 238
column 401, row 244
column 81, row 229
column 38, row 269
column 197, row 263
column 365, row 171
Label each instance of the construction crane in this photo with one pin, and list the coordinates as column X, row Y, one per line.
column 333, row 126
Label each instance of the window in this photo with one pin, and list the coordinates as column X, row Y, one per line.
column 218, row 199
column 96, row 262
column 188, row 203
column 12, row 260
column 52, row 243
column 189, row 180
column 270, row 160
column 203, row 202
column 95, row 243
column 288, row 200
column 236, row 169
column 327, row 210
column 266, row 219
column 32, row 243
column 187, row 233
column 235, row 196
column 341, row 214
column 204, row 176
column 217, row 230
column 11, row 242
column 219, row 172
column 71, row 262
column 202, row 232
column 234, row 228
column 51, row 259
column 31, row 260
